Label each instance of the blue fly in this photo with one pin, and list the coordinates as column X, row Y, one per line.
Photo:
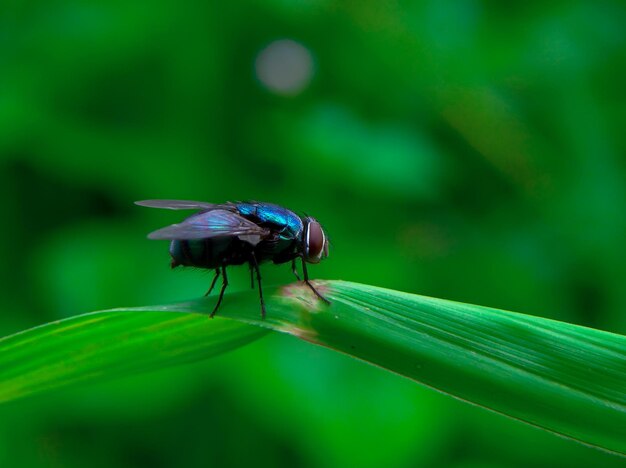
column 220, row 235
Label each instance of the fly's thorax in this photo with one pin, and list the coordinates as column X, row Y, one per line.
column 273, row 247
column 279, row 220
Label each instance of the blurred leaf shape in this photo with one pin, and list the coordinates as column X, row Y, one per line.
column 391, row 157
column 105, row 345
column 563, row 378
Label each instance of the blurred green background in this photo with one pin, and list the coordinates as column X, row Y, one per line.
column 467, row 150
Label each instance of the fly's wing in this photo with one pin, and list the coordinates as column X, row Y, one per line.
column 176, row 204
column 215, row 223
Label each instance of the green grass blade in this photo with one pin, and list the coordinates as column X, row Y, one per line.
column 566, row 379
column 104, row 345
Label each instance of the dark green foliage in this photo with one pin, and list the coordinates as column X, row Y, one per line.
column 466, row 150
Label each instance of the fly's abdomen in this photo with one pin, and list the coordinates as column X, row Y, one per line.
column 202, row 253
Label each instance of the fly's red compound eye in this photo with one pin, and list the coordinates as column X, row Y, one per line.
column 315, row 242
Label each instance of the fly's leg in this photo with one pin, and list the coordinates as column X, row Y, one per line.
column 217, row 274
column 224, row 284
column 295, row 270
column 308, row 283
column 251, row 276
column 255, row 266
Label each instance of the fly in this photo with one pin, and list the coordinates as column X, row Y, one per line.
column 220, row 235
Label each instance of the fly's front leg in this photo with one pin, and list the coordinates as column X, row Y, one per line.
column 308, row 283
column 295, row 270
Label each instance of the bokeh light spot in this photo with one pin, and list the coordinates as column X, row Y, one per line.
column 284, row 67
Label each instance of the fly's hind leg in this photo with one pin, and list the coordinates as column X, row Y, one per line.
column 224, row 285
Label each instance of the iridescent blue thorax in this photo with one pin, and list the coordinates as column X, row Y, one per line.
column 286, row 222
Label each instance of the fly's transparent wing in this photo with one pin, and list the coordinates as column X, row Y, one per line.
column 176, row 204
column 215, row 223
